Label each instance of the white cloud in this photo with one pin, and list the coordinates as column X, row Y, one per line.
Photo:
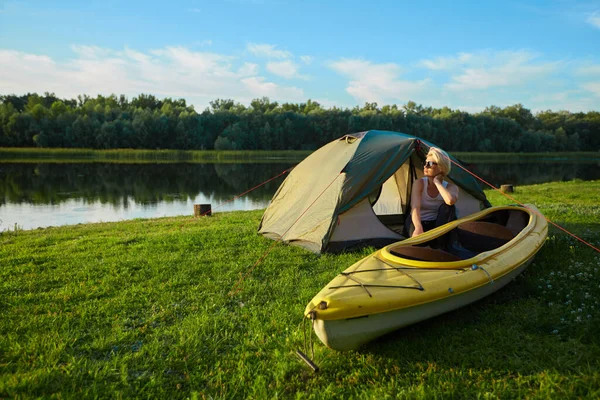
column 258, row 87
column 200, row 77
column 446, row 63
column 476, row 80
column 555, row 97
column 588, row 70
column 502, row 69
column 287, row 69
column 248, row 69
column 91, row 51
column 268, row 50
column 378, row 82
column 473, row 80
column 306, row 59
column 593, row 87
column 594, row 19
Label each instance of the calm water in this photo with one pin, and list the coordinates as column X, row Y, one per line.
column 44, row 194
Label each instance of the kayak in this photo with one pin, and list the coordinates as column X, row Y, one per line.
column 421, row 277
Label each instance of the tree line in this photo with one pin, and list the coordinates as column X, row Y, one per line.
column 146, row 122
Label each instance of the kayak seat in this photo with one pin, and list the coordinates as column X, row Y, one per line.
column 479, row 236
column 423, row 254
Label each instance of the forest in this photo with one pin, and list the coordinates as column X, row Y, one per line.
column 147, row 122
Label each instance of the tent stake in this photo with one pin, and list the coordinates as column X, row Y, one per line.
column 307, row 360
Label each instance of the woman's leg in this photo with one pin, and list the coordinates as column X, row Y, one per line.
column 446, row 214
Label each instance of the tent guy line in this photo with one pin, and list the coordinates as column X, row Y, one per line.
column 523, row 205
column 237, row 287
column 418, row 148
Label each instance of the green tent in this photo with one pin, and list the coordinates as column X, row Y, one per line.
column 356, row 191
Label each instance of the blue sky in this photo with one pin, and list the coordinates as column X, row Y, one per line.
column 466, row 55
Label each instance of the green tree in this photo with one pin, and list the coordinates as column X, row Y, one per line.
column 263, row 105
column 58, row 108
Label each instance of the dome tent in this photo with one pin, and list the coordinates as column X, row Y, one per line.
column 356, row 191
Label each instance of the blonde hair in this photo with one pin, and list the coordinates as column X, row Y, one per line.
column 441, row 158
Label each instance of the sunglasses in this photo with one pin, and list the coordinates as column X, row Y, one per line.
column 429, row 164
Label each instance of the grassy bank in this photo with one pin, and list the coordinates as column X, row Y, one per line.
column 9, row 154
column 153, row 156
column 583, row 156
column 141, row 309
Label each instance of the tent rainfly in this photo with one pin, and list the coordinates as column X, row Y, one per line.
column 356, row 191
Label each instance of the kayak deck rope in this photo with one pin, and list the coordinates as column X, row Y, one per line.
column 523, row 205
column 402, row 270
column 370, row 285
column 475, row 267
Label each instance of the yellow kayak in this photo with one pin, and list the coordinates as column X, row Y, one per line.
column 421, row 277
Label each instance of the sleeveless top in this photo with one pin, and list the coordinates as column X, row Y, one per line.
column 430, row 205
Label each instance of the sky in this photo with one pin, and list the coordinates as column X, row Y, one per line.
column 466, row 55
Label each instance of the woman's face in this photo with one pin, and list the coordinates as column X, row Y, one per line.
column 431, row 167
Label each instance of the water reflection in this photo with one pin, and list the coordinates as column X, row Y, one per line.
column 45, row 194
column 40, row 195
column 534, row 172
column 117, row 184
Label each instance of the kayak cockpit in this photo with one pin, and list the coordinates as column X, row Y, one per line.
column 468, row 239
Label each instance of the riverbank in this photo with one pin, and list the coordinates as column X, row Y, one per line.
column 23, row 154
column 28, row 154
column 141, row 309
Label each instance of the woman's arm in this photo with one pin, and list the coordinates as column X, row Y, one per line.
column 415, row 202
column 448, row 193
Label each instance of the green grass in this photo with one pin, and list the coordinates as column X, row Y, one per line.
column 9, row 154
column 141, row 309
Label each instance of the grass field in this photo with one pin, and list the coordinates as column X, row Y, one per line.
column 140, row 309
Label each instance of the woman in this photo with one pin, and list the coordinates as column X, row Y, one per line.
column 432, row 198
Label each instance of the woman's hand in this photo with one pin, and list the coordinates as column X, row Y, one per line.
column 448, row 193
column 418, row 230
